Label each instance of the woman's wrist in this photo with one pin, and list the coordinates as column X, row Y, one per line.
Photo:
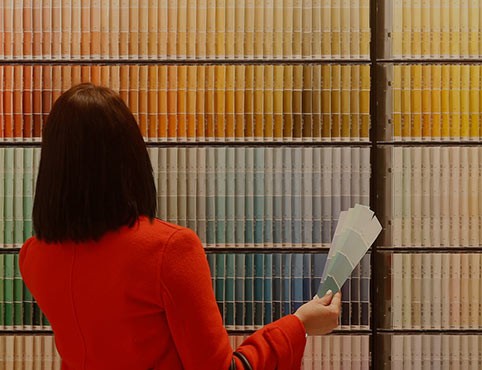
column 299, row 318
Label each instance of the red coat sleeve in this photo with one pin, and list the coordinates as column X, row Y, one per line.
column 196, row 324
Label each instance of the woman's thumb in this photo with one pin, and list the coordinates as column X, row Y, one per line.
column 326, row 299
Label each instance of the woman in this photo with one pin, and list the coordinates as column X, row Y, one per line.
column 121, row 289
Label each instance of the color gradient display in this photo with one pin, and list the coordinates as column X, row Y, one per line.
column 232, row 197
column 184, row 29
column 260, row 197
column 253, row 290
column 202, row 102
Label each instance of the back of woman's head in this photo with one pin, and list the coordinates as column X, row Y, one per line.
column 95, row 174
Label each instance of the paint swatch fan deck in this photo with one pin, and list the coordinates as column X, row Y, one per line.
column 355, row 232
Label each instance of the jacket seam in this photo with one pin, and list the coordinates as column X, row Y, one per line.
column 76, row 319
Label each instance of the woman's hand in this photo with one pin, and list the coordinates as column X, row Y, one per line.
column 320, row 315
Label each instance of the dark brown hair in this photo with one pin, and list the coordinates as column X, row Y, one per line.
column 95, row 174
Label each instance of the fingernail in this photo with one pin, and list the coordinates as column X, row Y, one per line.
column 329, row 292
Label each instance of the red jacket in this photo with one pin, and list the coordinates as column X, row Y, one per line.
column 142, row 298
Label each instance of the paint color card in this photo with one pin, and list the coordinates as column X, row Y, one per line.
column 356, row 230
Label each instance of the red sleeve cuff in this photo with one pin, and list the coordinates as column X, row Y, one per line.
column 279, row 345
column 296, row 331
column 292, row 326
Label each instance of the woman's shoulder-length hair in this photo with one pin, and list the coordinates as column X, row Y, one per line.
column 95, row 174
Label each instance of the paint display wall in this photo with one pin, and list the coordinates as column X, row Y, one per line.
column 263, row 120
